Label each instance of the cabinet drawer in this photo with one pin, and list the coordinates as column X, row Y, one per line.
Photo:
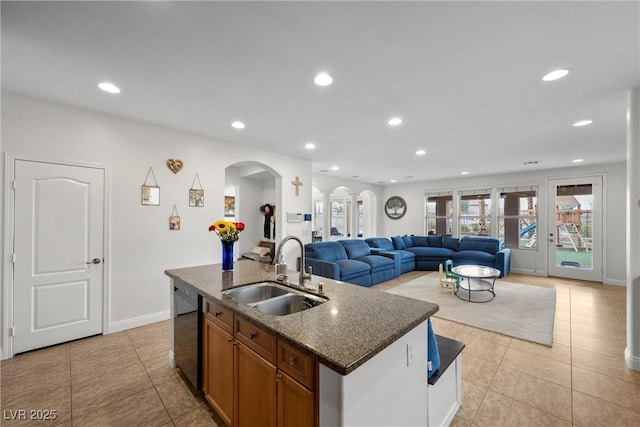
column 256, row 338
column 219, row 315
column 297, row 364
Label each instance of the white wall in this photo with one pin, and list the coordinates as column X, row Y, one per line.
column 142, row 244
column 384, row 391
column 526, row 261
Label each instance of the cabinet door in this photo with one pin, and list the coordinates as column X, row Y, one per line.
column 218, row 369
column 295, row 403
column 255, row 389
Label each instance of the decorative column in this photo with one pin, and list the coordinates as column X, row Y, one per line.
column 632, row 352
column 353, row 216
column 326, row 215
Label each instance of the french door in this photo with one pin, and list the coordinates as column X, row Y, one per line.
column 575, row 228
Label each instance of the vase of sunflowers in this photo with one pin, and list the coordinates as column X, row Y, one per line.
column 228, row 232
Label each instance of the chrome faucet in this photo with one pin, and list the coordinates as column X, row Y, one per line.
column 303, row 277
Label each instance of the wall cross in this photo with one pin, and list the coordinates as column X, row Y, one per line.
column 297, row 183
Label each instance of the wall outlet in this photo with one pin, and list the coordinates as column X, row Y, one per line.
column 410, row 354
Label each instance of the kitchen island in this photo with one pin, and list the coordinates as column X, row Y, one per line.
column 370, row 346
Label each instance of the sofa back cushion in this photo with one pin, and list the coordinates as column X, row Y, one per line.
column 485, row 244
column 435, row 240
column 398, row 243
column 452, row 243
column 355, row 248
column 325, row 251
column 380, row 243
column 420, row 241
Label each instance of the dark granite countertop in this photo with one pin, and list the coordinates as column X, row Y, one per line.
column 343, row 333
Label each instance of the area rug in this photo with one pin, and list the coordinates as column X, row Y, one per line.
column 520, row 311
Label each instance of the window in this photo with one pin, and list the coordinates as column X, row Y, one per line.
column 439, row 213
column 475, row 213
column 518, row 217
column 318, row 216
column 337, row 218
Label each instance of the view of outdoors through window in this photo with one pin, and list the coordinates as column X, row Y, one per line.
column 338, row 218
column 439, row 214
column 475, row 214
column 518, row 218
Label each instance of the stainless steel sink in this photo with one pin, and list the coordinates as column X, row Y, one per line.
column 288, row 304
column 275, row 299
column 256, row 292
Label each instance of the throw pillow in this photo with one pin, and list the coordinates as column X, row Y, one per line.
column 408, row 241
column 420, row 241
column 435, row 240
column 398, row 243
column 260, row 250
column 450, row 243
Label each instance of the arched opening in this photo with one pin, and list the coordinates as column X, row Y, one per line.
column 249, row 186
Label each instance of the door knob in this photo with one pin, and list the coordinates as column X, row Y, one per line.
column 94, row 261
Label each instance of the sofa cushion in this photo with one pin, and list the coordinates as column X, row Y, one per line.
column 473, row 257
column 355, row 248
column 398, row 242
column 431, row 253
column 435, row 240
column 485, row 244
column 380, row 242
column 420, row 241
column 451, row 243
column 408, row 241
column 377, row 262
column 350, row 268
column 325, row 251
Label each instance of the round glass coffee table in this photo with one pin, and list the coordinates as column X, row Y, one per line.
column 476, row 282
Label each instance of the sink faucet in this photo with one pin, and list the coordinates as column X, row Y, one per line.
column 303, row 276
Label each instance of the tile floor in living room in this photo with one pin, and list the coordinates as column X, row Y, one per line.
column 123, row 379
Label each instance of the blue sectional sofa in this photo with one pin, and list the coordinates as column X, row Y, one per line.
column 378, row 259
column 431, row 251
column 350, row 261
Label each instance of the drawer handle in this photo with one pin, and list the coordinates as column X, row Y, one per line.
column 292, row 360
column 217, row 313
column 252, row 335
column 278, row 377
column 230, row 339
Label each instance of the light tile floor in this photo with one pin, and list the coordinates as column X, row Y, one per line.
column 123, row 379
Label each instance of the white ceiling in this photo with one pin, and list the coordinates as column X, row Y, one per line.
column 464, row 76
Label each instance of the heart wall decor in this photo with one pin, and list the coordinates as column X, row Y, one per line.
column 174, row 165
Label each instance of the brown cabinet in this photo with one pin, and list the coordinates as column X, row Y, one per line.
column 253, row 379
column 217, row 379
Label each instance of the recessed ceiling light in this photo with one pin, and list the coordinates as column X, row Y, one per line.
column 310, row 146
column 109, row 87
column 394, row 121
column 237, row 124
column 393, row 180
column 577, row 160
column 555, row 75
column 323, row 79
column 421, row 152
column 334, row 168
column 464, row 173
column 583, row 123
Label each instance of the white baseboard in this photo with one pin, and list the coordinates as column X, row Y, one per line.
column 147, row 319
column 633, row 362
column 528, row 272
column 615, row 282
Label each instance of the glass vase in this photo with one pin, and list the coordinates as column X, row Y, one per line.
column 227, row 255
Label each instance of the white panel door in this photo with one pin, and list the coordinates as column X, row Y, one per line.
column 58, row 265
column 575, row 228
